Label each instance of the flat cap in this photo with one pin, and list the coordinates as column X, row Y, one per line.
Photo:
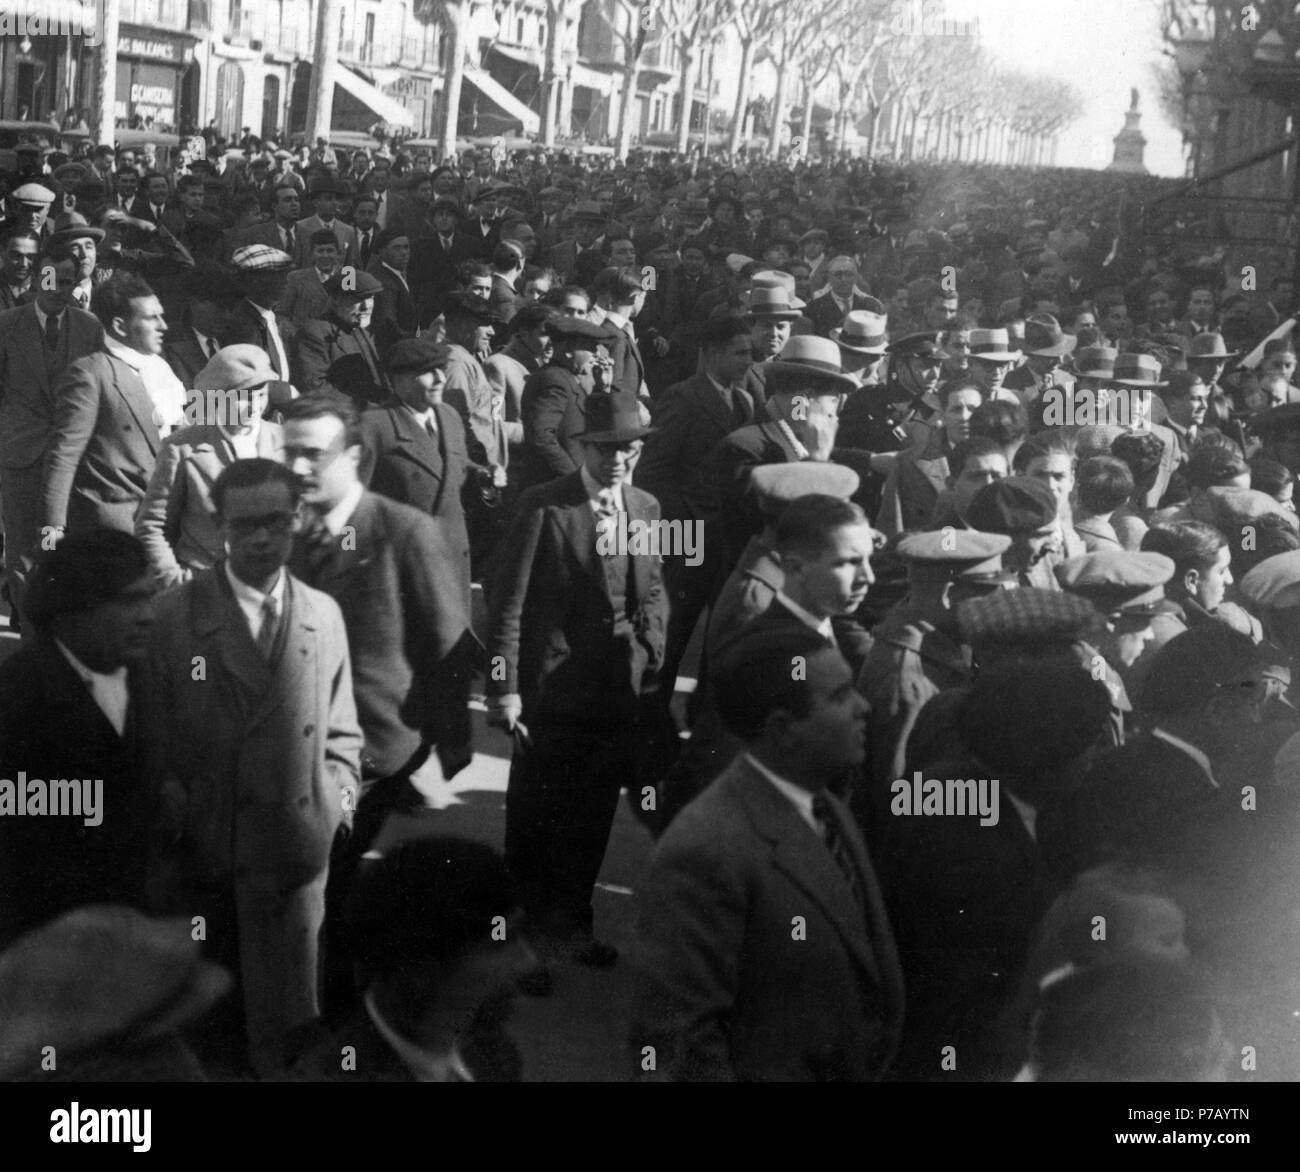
column 236, row 368
column 970, row 555
column 1016, row 504
column 1120, row 581
column 1275, row 582
column 445, row 203
column 415, row 356
column 776, row 485
column 467, row 305
column 1027, row 615
column 577, row 328
column 353, row 282
column 588, row 209
column 34, row 194
column 254, row 258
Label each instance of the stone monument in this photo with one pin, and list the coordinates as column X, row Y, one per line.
column 1130, row 142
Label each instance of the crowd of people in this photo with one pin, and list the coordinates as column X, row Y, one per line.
column 967, row 508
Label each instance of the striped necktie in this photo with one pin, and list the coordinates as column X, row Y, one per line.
column 833, row 837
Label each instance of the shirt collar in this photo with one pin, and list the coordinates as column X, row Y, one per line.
column 338, row 516
column 133, row 358
column 1191, row 750
column 800, row 798
column 42, row 317
column 426, row 1065
column 618, row 319
column 422, row 417
column 821, row 626
column 594, row 489
column 249, row 594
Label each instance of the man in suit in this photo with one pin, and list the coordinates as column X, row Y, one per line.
column 392, row 570
column 803, row 387
column 17, row 266
column 397, row 314
column 618, row 299
column 211, row 294
column 177, row 521
column 261, row 272
column 827, row 311
column 554, row 399
column 436, row 253
column 509, row 369
column 588, row 223
column 106, row 424
column 507, row 267
column 305, row 298
column 577, row 626
column 764, row 949
column 326, row 193
column 414, row 451
column 363, row 221
column 261, row 754
column 38, row 342
column 75, row 704
column 483, row 229
column 691, row 419
column 551, row 201
column 281, row 231
column 336, row 353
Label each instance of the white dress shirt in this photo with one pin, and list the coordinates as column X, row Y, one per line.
column 250, row 600
column 428, row 420
column 338, row 516
column 107, row 689
column 268, row 316
column 800, row 798
column 594, row 491
column 401, row 276
column 42, row 317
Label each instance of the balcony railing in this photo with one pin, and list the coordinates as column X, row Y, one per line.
column 418, row 51
column 245, row 26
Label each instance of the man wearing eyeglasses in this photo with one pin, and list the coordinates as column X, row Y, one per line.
column 261, row 755
column 841, row 296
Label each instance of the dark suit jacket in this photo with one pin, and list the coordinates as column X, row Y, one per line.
column 690, row 419
column 185, row 356
column 28, row 377
column 433, row 269
column 331, row 357
column 397, row 314
column 503, row 299
column 52, row 728
column 551, row 617
column 408, row 625
column 103, row 449
column 245, row 325
column 267, row 233
column 551, row 409
column 402, row 461
column 305, row 298
column 825, row 314
column 726, row 991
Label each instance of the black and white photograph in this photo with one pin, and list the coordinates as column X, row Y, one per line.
column 649, row 541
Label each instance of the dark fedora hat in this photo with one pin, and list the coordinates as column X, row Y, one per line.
column 613, row 418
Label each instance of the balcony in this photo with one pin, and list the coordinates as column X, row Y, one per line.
column 244, row 28
column 294, row 42
column 200, row 15
column 418, row 51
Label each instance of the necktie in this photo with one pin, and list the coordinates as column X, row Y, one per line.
column 432, row 428
column 606, row 510
column 211, row 348
column 833, row 837
column 52, row 333
column 270, row 627
column 289, row 240
column 740, row 406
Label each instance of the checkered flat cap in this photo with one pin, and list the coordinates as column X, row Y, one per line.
column 260, row 257
column 1027, row 615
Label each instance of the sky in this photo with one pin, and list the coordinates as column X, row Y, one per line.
column 1102, row 48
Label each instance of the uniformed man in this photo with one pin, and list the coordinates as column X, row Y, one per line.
column 1129, row 589
column 917, row 650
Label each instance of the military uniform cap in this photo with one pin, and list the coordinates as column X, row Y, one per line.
column 776, row 485
column 1275, row 582
column 1192, row 668
column 1027, row 615
column 1120, row 581
column 968, row 554
column 923, row 344
column 1016, row 504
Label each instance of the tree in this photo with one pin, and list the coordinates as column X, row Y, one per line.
column 632, row 24
column 793, row 34
column 560, row 14
column 453, row 16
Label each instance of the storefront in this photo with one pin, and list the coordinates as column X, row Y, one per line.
column 151, row 65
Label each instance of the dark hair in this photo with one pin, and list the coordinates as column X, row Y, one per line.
column 506, row 256
column 84, row 571
column 620, row 287
column 753, row 675
column 427, row 900
column 253, row 473
column 1211, row 466
column 324, row 236
column 1138, row 1020
column 368, row 197
column 320, row 406
column 152, row 175
column 243, row 203
column 611, row 238
column 279, row 187
column 719, row 331
column 557, row 295
column 471, row 268
column 530, row 317
column 388, row 235
column 23, row 234
column 1003, row 422
column 805, row 525
column 1190, row 545
column 1041, row 446
column 113, row 298
column 962, row 382
column 1103, row 484
column 1271, row 534
column 977, row 445
column 1270, row 476
column 185, row 182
